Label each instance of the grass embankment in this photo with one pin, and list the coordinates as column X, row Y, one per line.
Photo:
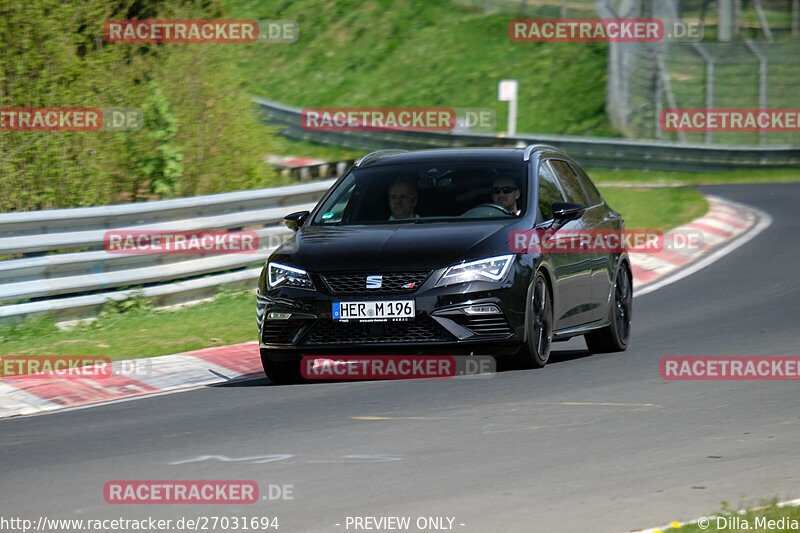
column 423, row 53
column 140, row 331
column 660, row 209
column 133, row 329
column 198, row 132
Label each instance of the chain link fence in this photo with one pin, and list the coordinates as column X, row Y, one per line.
column 759, row 69
column 758, row 66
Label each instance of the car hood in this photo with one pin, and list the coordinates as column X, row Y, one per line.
column 411, row 246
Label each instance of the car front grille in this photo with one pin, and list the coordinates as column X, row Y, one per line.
column 414, row 331
column 391, row 282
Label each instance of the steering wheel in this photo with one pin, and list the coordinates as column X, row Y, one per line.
column 495, row 206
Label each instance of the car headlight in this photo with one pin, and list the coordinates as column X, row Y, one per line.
column 279, row 275
column 490, row 269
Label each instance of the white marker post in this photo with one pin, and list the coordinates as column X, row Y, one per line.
column 507, row 92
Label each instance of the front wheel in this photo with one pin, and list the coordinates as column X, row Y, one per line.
column 615, row 336
column 535, row 351
column 281, row 372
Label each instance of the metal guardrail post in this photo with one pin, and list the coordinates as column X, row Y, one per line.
column 663, row 74
column 726, row 20
column 709, row 82
column 762, row 83
column 659, row 106
column 762, row 20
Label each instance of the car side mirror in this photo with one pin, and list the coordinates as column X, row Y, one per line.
column 565, row 211
column 295, row 220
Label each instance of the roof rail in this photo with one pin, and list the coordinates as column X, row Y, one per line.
column 374, row 156
column 526, row 155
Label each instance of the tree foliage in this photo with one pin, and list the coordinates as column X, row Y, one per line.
column 200, row 134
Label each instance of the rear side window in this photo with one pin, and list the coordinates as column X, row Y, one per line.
column 595, row 198
column 549, row 191
column 569, row 180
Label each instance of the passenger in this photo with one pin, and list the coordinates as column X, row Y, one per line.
column 402, row 200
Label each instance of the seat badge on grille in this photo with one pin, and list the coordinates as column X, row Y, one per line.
column 374, row 282
column 409, row 285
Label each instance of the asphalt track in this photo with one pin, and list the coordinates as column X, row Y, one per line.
column 590, row 443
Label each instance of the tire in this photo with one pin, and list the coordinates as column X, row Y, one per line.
column 535, row 351
column 615, row 336
column 281, row 372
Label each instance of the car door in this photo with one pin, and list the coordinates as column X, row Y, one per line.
column 599, row 217
column 572, row 269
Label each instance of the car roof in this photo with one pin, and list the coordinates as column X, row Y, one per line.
column 393, row 157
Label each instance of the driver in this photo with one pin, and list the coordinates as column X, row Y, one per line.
column 505, row 193
column 402, row 199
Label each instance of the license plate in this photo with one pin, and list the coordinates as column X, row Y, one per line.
column 385, row 310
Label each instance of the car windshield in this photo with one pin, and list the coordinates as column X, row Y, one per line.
column 427, row 192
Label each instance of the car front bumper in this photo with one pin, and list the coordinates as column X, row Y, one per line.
column 441, row 326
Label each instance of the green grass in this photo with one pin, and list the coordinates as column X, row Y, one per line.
column 533, row 8
column 659, row 209
column 132, row 329
column 736, row 84
column 768, row 512
column 423, row 53
column 284, row 146
column 779, row 175
column 139, row 331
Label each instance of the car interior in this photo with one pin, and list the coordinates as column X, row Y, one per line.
column 457, row 191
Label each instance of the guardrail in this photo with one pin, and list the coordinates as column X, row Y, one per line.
column 317, row 171
column 590, row 151
column 59, row 266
